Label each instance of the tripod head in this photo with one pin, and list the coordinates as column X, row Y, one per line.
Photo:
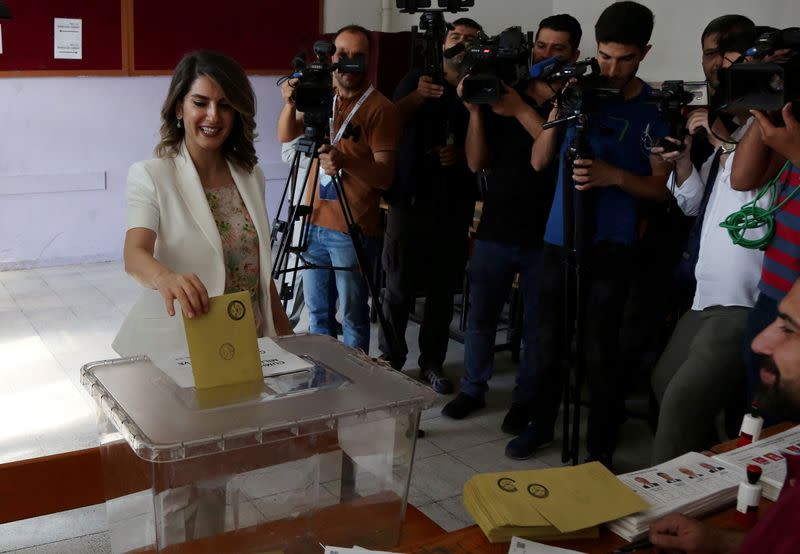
column 579, row 147
column 435, row 30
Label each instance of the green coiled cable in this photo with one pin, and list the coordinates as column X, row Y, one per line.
column 753, row 216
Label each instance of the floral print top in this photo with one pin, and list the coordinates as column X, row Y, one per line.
column 239, row 245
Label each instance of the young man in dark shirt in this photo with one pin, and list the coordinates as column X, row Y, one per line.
column 509, row 237
column 431, row 205
column 619, row 176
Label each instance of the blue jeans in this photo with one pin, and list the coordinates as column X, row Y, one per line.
column 333, row 248
column 491, row 273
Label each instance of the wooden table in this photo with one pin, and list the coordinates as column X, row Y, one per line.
column 51, row 484
column 471, row 540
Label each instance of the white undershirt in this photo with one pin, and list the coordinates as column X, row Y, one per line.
column 727, row 275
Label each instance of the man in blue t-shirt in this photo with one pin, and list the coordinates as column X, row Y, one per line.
column 621, row 174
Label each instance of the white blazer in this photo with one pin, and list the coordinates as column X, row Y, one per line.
column 166, row 196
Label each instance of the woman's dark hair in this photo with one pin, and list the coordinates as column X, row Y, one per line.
column 232, row 79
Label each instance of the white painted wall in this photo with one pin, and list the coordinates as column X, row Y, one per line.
column 676, row 37
column 78, row 136
column 679, row 24
column 65, row 134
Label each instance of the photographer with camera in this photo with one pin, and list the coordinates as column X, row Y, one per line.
column 701, row 370
column 509, row 237
column 621, row 175
column 770, row 150
column 362, row 152
column 432, row 203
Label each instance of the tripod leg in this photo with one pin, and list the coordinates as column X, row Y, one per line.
column 581, row 284
column 567, row 450
column 357, row 239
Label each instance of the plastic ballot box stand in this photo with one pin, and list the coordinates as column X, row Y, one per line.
column 321, row 455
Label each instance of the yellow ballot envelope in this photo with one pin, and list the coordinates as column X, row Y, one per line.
column 223, row 344
column 548, row 502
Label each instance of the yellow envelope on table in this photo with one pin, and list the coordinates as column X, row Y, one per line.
column 223, row 344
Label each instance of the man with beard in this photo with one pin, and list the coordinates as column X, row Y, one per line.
column 432, row 203
column 777, row 532
column 362, row 147
column 509, row 237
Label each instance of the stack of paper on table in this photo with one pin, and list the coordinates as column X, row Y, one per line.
column 555, row 503
column 768, row 454
column 692, row 484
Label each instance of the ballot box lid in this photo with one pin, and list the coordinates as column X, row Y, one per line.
column 164, row 422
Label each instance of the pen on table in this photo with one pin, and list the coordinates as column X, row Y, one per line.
column 634, row 546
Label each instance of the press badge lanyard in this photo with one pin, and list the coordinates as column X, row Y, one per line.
column 324, row 178
column 335, row 140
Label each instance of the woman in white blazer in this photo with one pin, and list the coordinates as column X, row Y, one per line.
column 197, row 223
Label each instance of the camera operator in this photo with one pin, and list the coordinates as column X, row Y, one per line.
column 701, row 371
column 365, row 160
column 712, row 59
column 432, row 204
column 762, row 152
column 621, row 174
column 509, row 237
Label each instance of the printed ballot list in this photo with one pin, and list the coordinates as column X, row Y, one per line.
column 274, row 361
column 692, row 484
column 769, row 455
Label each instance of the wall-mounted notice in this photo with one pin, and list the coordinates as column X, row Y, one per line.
column 68, row 39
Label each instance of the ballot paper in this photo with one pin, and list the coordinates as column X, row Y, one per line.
column 222, row 343
column 274, row 361
column 523, row 546
column 692, row 484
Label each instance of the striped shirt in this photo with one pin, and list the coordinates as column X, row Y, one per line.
column 782, row 259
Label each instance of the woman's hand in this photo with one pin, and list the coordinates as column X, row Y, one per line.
column 187, row 289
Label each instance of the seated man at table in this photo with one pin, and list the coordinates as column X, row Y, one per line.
column 777, row 532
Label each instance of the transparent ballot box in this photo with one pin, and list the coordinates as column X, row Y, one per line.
column 319, row 456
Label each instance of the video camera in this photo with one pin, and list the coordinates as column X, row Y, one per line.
column 760, row 85
column 434, row 29
column 490, row 61
column 313, row 92
column 672, row 98
column 584, row 90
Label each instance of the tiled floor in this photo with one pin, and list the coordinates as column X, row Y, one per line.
column 54, row 320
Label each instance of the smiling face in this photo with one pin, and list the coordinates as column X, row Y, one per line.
column 780, row 344
column 206, row 115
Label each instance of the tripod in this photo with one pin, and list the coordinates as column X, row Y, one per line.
column 314, row 137
column 577, row 208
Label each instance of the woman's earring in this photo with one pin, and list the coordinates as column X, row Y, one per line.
column 180, row 124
